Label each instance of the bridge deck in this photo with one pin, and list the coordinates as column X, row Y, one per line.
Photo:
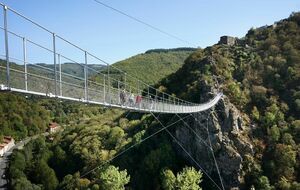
column 145, row 106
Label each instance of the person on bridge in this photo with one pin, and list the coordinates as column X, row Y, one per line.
column 131, row 99
column 123, row 97
column 138, row 100
column 151, row 103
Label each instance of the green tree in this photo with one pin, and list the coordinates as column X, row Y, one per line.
column 264, row 184
column 237, row 95
column 159, row 158
column 274, row 133
column 18, row 161
column 24, row 184
column 284, row 184
column 295, row 186
column 17, row 165
column 269, row 118
column 67, row 183
column 71, row 182
column 113, row 179
column 273, row 115
column 287, row 139
column 168, row 179
column 95, row 187
column 46, row 176
column 255, row 113
column 115, row 137
column 285, row 160
column 189, row 179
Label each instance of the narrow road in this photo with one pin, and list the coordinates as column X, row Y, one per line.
column 4, row 161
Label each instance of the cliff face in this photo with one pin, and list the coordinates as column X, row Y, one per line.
column 228, row 133
column 228, row 128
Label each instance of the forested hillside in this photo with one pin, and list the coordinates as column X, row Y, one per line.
column 92, row 137
column 21, row 117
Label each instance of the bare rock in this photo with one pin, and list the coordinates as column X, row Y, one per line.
column 227, row 130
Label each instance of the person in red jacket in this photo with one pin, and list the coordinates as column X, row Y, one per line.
column 138, row 100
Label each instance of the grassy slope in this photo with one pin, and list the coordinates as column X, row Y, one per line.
column 153, row 65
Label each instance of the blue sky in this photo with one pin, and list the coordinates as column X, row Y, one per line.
column 113, row 37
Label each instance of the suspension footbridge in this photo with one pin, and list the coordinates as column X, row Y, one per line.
column 44, row 66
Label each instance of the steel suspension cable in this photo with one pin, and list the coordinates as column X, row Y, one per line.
column 210, row 147
column 209, row 140
column 199, row 137
column 203, row 141
column 145, row 23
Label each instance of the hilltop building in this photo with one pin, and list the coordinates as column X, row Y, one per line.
column 227, row 40
column 6, row 144
column 231, row 41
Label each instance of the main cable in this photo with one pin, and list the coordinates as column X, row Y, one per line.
column 218, row 170
column 203, row 141
column 145, row 23
column 209, row 140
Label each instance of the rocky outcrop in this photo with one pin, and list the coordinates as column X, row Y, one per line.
column 228, row 132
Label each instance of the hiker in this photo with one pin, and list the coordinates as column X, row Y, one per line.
column 151, row 103
column 123, row 97
column 138, row 100
column 131, row 99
